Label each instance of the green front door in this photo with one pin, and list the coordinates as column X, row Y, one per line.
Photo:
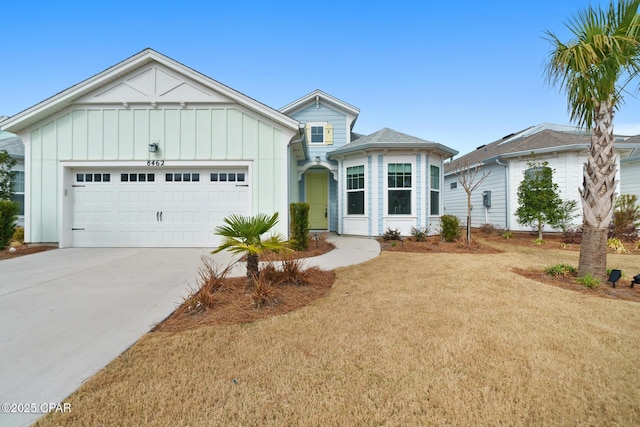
column 317, row 192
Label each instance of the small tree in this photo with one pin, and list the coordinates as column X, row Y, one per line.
column 468, row 178
column 6, row 175
column 243, row 235
column 538, row 198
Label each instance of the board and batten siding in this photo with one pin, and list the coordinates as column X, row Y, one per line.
column 112, row 134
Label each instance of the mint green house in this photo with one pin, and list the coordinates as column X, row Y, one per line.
column 153, row 153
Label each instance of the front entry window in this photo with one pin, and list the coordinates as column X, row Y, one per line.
column 355, row 190
column 399, row 188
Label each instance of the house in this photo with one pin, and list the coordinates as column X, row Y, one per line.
column 15, row 148
column 630, row 170
column 362, row 185
column 495, row 201
column 153, row 153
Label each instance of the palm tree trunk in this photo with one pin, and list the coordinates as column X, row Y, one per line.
column 597, row 194
column 252, row 269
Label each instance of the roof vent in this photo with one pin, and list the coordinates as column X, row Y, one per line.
column 508, row 136
column 482, row 146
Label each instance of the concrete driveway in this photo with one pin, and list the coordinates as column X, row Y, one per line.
column 66, row 313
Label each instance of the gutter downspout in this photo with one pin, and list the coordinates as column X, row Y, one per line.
column 300, row 139
column 506, row 193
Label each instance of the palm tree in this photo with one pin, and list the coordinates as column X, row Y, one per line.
column 594, row 69
column 243, row 235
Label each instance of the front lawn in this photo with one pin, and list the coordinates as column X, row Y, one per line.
column 404, row 339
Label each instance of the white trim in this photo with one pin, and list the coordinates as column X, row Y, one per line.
column 331, row 167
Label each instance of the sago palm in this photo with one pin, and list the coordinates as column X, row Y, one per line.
column 243, row 235
column 593, row 69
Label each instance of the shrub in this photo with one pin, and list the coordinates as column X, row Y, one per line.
column 507, row 234
column 561, row 270
column 8, row 217
column 18, row 235
column 291, row 272
column 626, row 218
column 210, row 281
column 420, row 233
column 299, row 225
column 449, row 228
column 392, row 234
column 539, row 242
column 262, row 294
column 572, row 235
column 589, row 281
column 616, row 245
column 488, row 228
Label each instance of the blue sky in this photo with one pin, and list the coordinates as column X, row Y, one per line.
column 459, row 73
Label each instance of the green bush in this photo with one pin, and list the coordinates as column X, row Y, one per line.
column 299, row 225
column 449, row 228
column 589, row 281
column 507, row 234
column 561, row 270
column 8, row 217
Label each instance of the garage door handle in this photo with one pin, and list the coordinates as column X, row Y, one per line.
column 242, row 185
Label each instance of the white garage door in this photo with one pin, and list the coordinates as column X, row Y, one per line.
column 151, row 208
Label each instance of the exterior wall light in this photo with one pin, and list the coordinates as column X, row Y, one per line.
column 153, row 147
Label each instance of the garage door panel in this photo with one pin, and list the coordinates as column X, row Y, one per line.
column 138, row 208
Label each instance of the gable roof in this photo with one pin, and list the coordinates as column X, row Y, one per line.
column 635, row 154
column 388, row 138
column 540, row 139
column 317, row 96
column 66, row 98
column 12, row 145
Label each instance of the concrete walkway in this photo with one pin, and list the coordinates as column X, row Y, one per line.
column 66, row 313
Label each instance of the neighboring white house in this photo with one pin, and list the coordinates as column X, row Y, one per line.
column 565, row 148
column 153, row 153
column 15, row 148
column 630, row 170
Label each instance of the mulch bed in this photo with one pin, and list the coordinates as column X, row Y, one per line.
column 435, row 244
column 233, row 303
column 622, row 290
column 24, row 250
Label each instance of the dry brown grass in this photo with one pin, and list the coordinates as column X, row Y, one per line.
column 405, row 339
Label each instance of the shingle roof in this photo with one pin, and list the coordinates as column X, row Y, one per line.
column 541, row 138
column 12, row 144
column 389, row 138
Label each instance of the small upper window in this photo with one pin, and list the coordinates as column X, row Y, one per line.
column 317, row 134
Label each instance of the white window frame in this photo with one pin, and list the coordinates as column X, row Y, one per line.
column 363, row 189
column 312, row 125
column 20, row 169
column 389, row 189
column 433, row 190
